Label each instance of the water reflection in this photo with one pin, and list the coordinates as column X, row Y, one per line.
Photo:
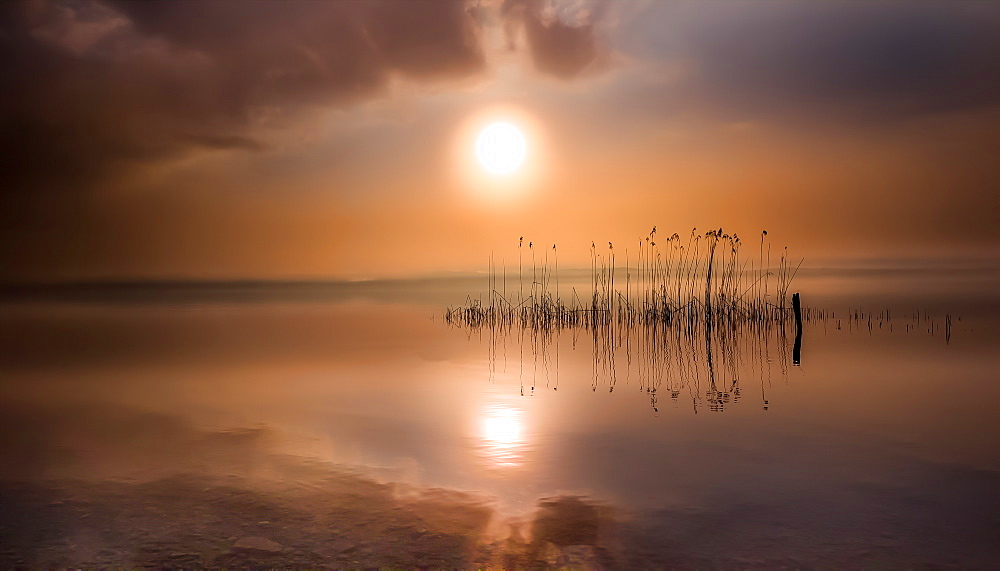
column 165, row 437
column 706, row 365
column 502, row 435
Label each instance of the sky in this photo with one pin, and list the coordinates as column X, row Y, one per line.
column 308, row 139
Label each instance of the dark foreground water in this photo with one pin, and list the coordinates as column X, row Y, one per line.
column 345, row 425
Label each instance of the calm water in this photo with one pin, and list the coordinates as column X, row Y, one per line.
column 347, row 425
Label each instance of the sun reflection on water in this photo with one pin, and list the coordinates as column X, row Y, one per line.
column 502, row 435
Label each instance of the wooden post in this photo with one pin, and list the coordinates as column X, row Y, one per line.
column 797, row 348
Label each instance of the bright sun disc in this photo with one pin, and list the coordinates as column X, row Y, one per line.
column 501, row 148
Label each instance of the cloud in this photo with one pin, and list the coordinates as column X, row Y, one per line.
column 562, row 43
column 874, row 60
column 93, row 87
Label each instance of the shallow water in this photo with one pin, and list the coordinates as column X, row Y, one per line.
column 348, row 425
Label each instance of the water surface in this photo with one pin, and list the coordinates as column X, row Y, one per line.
column 347, row 424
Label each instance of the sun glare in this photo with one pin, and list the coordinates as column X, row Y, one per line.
column 500, row 156
column 501, row 148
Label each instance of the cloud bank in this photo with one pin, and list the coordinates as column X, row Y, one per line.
column 91, row 87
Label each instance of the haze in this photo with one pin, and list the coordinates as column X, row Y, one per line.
column 278, row 140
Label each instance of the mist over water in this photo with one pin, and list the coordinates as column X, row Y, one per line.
column 347, row 424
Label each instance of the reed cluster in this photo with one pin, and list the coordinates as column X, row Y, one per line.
column 701, row 279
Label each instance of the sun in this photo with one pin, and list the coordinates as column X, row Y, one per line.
column 501, row 148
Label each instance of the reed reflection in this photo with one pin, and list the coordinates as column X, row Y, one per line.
column 710, row 367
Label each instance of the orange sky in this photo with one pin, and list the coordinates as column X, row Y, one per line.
column 314, row 140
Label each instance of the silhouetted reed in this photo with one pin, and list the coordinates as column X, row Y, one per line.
column 675, row 282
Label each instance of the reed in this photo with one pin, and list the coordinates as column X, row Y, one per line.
column 704, row 280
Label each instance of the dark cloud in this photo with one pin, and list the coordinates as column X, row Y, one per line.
column 91, row 87
column 558, row 48
column 885, row 59
column 227, row 142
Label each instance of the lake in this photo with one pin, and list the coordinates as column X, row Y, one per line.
column 348, row 424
